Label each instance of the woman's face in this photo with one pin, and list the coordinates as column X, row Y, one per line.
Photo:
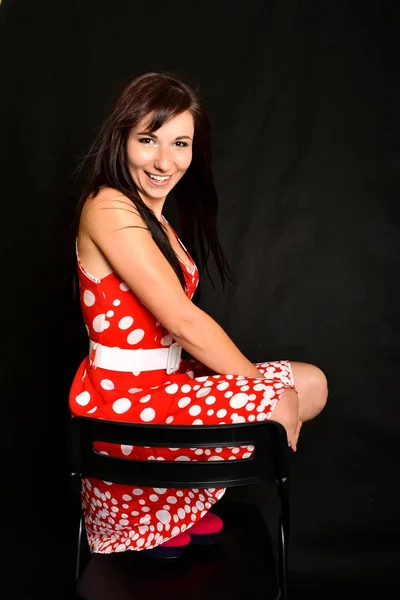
column 158, row 160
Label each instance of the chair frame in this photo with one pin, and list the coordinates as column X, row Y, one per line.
column 269, row 462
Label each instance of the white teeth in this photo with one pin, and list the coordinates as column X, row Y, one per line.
column 158, row 177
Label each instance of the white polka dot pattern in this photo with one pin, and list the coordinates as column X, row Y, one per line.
column 125, row 322
column 135, row 336
column 88, row 298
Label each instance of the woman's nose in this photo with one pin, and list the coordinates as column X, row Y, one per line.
column 163, row 160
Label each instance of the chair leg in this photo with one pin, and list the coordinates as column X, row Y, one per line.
column 282, row 561
column 79, row 550
column 283, row 541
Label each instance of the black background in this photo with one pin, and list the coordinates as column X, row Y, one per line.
column 304, row 102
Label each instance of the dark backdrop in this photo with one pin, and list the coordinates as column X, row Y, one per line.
column 304, row 102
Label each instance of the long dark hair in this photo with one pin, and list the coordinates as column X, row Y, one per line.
column 164, row 96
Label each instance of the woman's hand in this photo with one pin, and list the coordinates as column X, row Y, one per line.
column 295, row 439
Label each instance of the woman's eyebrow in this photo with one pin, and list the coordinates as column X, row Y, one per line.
column 148, row 134
column 152, row 135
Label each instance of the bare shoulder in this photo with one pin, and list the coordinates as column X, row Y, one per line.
column 108, row 210
column 111, row 232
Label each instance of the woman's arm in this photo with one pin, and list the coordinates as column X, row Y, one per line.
column 205, row 340
column 123, row 239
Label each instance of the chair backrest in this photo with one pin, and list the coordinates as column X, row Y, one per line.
column 268, row 462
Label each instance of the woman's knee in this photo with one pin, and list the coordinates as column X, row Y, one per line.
column 312, row 385
column 320, row 383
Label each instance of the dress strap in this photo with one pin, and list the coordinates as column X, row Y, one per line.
column 82, row 268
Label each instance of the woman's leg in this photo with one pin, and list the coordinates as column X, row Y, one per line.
column 311, row 385
column 294, row 408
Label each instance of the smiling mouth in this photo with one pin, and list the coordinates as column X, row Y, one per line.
column 158, row 179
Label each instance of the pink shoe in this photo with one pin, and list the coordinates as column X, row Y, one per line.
column 173, row 548
column 206, row 531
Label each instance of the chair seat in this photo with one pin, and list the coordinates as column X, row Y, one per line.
column 241, row 565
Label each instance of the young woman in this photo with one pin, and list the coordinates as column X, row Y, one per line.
column 137, row 280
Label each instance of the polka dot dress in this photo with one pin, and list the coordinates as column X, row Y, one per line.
column 117, row 517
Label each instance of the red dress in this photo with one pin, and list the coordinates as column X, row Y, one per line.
column 117, row 517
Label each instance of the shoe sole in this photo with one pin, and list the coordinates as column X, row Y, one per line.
column 165, row 553
column 205, row 539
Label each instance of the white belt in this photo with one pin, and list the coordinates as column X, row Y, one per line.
column 129, row 360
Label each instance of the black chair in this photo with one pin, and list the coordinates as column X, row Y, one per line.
column 229, row 567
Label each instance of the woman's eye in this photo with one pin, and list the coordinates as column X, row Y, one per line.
column 181, row 144
column 146, row 140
